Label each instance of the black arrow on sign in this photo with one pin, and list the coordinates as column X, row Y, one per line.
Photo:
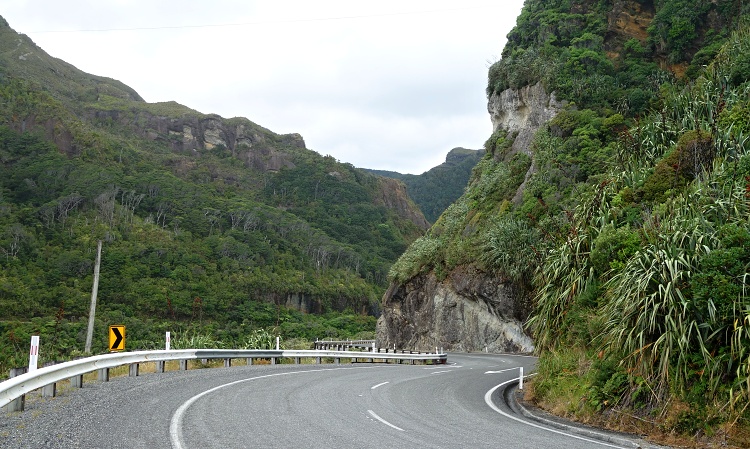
column 118, row 338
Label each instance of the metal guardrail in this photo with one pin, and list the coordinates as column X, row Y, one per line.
column 16, row 387
column 330, row 344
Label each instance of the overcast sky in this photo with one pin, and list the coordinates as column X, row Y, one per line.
column 382, row 84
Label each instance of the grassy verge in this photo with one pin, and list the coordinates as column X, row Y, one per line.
column 583, row 387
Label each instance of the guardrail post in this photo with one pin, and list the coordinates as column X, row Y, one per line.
column 76, row 381
column 337, row 361
column 103, row 375
column 49, row 390
column 317, row 360
column 160, row 366
column 296, row 360
column 227, row 363
column 183, row 365
column 249, row 361
column 17, row 404
column 134, row 369
column 273, row 360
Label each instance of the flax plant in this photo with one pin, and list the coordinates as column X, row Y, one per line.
column 651, row 317
column 567, row 272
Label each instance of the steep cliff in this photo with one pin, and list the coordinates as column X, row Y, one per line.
column 392, row 194
column 473, row 308
column 616, row 223
column 468, row 311
column 189, row 132
column 583, row 67
column 522, row 112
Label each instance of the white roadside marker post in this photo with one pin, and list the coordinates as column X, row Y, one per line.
column 34, row 353
column 168, row 341
column 520, row 378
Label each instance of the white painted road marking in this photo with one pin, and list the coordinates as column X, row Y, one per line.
column 501, row 371
column 374, row 415
column 488, row 400
column 175, row 424
column 378, row 385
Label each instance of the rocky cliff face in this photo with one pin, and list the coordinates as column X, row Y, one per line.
column 392, row 194
column 197, row 133
column 471, row 310
column 522, row 111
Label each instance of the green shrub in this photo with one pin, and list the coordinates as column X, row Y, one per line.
column 613, row 247
column 609, row 382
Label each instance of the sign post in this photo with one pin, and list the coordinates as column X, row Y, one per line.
column 117, row 337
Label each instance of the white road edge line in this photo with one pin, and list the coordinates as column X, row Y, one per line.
column 378, row 385
column 375, row 415
column 439, row 372
column 175, row 424
column 488, row 400
column 502, row 370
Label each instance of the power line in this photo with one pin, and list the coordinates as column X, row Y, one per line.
column 263, row 22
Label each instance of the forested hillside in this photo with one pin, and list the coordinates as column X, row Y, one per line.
column 210, row 226
column 438, row 187
column 625, row 219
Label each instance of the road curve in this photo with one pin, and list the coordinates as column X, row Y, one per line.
column 316, row 406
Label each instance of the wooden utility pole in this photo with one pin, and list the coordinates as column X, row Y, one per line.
column 94, row 291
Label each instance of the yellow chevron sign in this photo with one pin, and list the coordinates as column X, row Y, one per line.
column 117, row 337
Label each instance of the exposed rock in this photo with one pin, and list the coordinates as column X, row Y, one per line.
column 627, row 19
column 196, row 134
column 213, row 134
column 469, row 311
column 53, row 129
column 522, row 111
column 293, row 140
column 472, row 310
column 265, row 158
column 391, row 193
column 305, row 303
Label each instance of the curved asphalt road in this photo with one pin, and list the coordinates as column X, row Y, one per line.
column 284, row 406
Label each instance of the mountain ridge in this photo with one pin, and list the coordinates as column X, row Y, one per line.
column 438, row 187
column 210, row 225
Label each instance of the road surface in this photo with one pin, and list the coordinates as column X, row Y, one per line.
column 283, row 406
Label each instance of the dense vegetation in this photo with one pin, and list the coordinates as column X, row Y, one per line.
column 438, row 187
column 632, row 236
column 200, row 242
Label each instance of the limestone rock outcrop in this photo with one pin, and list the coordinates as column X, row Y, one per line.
column 471, row 310
column 196, row 134
column 522, row 111
column 468, row 311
